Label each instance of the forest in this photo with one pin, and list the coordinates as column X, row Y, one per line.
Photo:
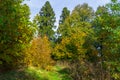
column 84, row 46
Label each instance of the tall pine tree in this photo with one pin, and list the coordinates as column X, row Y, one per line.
column 47, row 20
column 64, row 15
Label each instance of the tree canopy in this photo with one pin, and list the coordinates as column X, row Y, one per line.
column 47, row 21
column 88, row 41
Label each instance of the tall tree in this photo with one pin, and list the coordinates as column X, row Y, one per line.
column 15, row 31
column 69, row 31
column 74, row 31
column 107, row 33
column 84, row 11
column 47, row 20
column 81, row 15
column 64, row 15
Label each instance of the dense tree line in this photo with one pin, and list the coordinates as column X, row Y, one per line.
column 16, row 31
column 88, row 40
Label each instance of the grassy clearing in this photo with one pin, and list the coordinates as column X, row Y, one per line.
column 31, row 73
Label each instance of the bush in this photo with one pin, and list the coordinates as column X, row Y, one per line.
column 85, row 70
column 39, row 54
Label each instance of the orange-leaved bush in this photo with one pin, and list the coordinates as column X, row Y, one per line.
column 39, row 54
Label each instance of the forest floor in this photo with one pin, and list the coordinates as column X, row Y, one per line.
column 32, row 73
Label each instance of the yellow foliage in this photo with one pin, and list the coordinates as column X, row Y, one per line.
column 39, row 54
column 71, row 47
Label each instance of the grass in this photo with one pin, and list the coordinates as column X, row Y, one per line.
column 31, row 73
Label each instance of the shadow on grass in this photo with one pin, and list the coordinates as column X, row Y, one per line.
column 20, row 75
column 36, row 74
column 65, row 72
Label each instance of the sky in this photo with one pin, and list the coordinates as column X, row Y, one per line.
column 58, row 5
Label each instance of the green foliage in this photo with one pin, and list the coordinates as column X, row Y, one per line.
column 84, row 11
column 46, row 21
column 15, row 31
column 71, row 47
column 106, row 30
column 72, row 44
column 64, row 15
column 88, row 41
column 33, row 73
column 76, row 19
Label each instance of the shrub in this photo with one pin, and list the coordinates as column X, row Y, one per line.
column 39, row 54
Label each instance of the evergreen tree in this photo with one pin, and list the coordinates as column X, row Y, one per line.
column 47, row 20
column 64, row 15
column 81, row 15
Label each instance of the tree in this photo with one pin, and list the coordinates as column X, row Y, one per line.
column 76, row 18
column 77, row 33
column 84, row 11
column 92, row 43
column 64, row 15
column 71, row 47
column 72, row 27
column 15, row 31
column 106, row 31
column 47, row 20
column 39, row 54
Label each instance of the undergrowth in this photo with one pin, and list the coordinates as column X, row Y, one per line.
column 32, row 73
